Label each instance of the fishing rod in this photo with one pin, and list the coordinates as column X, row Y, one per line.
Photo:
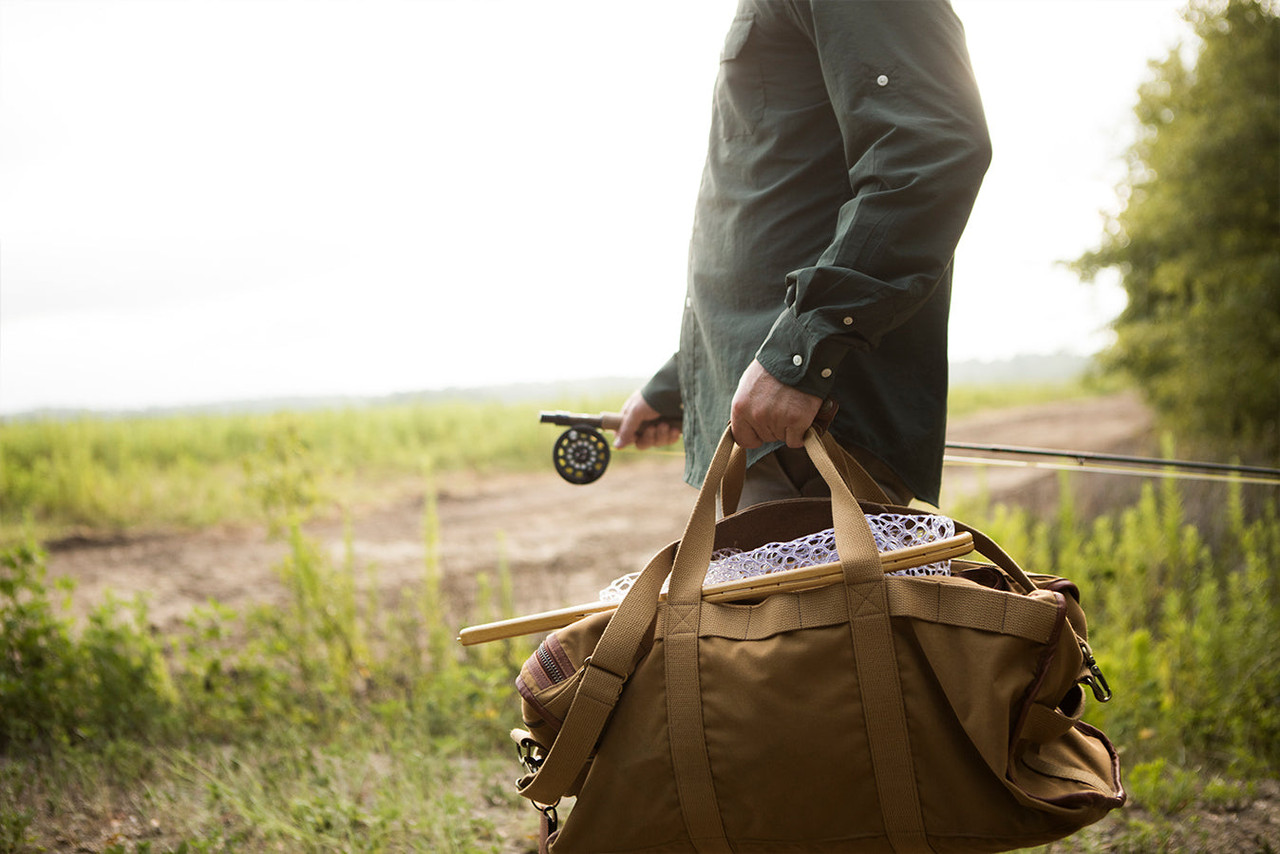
column 1168, row 473
column 581, row 455
column 1083, row 457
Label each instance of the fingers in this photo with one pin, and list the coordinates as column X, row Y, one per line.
column 642, row 426
column 753, row 429
column 653, row 434
column 794, row 436
column 743, row 433
column 766, row 410
column 634, row 414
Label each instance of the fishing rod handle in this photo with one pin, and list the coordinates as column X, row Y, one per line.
column 603, row 421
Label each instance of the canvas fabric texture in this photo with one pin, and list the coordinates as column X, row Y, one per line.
column 906, row 713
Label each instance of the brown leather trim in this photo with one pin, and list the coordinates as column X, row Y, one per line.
column 531, row 698
column 561, row 658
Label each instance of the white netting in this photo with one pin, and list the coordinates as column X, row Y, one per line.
column 891, row 530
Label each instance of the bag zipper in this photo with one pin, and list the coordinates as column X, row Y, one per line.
column 548, row 662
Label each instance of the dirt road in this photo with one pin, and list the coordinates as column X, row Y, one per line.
column 562, row 543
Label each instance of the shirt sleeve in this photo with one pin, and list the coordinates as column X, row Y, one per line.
column 916, row 145
column 662, row 392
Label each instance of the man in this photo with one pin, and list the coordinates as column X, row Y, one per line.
column 847, row 146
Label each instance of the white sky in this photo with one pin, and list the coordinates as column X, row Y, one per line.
column 204, row 200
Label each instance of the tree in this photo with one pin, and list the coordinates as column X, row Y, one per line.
column 1197, row 243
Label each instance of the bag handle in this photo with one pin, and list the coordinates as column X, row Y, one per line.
column 851, row 471
column 860, row 558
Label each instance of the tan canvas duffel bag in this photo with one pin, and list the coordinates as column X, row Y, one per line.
column 877, row 713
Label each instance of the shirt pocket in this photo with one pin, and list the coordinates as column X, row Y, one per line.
column 739, row 100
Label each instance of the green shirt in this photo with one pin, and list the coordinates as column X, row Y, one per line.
column 847, row 146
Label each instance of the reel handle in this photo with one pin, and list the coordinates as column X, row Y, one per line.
column 603, row 421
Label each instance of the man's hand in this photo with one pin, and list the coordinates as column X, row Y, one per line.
column 766, row 410
column 643, row 426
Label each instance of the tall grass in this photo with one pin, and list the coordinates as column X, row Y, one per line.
column 967, row 399
column 62, row 476
column 1185, row 628
column 330, row 722
column 57, row 476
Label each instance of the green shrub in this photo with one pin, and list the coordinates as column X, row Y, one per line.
column 59, row 686
column 1183, row 628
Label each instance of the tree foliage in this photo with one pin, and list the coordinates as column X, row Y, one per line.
column 1197, row 243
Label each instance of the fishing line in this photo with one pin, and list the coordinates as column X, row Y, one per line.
column 1116, row 470
column 1095, row 456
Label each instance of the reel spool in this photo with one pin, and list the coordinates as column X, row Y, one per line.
column 581, row 454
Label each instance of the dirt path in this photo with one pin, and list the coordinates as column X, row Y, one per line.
column 561, row 542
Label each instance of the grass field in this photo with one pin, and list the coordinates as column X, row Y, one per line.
column 59, row 476
column 335, row 723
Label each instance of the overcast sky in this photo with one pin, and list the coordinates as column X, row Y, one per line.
column 204, row 200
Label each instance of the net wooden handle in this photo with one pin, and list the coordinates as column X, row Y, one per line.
column 790, row 581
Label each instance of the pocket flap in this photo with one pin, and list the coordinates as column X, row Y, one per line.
column 739, row 30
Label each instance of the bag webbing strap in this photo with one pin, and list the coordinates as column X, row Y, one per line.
column 986, row 546
column 886, row 722
column 1044, row 725
column 851, row 471
column 876, row 662
column 689, row 759
column 734, row 480
column 604, row 674
column 934, row 601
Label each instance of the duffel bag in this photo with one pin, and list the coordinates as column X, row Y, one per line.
column 877, row 713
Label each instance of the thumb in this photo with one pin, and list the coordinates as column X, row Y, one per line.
column 634, row 413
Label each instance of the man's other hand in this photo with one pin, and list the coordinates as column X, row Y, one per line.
column 642, row 425
column 766, row 410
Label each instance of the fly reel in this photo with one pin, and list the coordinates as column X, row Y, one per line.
column 581, row 454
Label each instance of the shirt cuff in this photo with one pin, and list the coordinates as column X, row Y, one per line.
column 800, row 359
column 662, row 392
